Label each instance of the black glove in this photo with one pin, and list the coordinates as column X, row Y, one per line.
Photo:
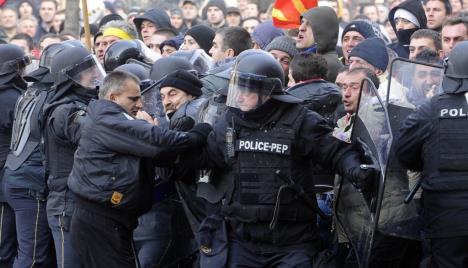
column 201, row 131
column 364, row 176
column 182, row 124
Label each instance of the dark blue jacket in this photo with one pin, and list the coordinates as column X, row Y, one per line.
column 107, row 172
column 8, row 96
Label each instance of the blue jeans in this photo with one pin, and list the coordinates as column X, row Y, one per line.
column 325, row 203
column 67, row 257
column 34, row 237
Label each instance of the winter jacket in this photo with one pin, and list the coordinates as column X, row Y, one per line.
column 109, row 174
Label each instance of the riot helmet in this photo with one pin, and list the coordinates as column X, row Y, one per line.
column 254, row 79
column 42, row 73
column 167, row 65
column 456, row 69
column 139, row 71
column 13, row 61
column 119, row 52
column 78, row 65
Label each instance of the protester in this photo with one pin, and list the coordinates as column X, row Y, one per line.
column 425, row 39
column 453, row 31
column 197, row 37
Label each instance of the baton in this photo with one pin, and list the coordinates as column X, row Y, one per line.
column 301, row 193
column 135, row 254
column 413, row 191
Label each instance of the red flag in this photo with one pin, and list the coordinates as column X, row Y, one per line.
column 286, row 14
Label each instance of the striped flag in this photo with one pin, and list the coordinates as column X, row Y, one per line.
column 286, row 14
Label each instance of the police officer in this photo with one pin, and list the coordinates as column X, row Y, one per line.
column 433, row 140
column 262, row 147
column 13, row 61
column 111, row 179
column 24, row 184
column 76, row 75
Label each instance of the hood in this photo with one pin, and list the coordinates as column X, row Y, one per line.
column 158, row 17
column 317, row 94
column 325, row 27
column 413, row 6
column 69, row 92
column 454, row 85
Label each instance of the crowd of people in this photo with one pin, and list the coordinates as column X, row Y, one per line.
column 198, row 134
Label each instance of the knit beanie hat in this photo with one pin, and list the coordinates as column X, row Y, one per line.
column 204, row 36
column 217, row 3
column 283, row 43
column 372, row 50
column 184, row 81
column 108, row 18
column 265, row 32
column 360, row 26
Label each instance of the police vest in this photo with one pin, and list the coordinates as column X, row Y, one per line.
column 260, row 194
column 447, row 168
column 26, row 134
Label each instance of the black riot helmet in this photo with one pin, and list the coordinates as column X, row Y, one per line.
column 12, row 62
column 167, row 65
column 120, row 52
column 76, row 64
column 259, row 73
column 139, row 71
column 42, row 74
column 456, row 69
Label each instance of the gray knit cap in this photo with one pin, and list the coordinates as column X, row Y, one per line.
column 283, row 43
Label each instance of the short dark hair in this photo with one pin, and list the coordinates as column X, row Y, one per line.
column 455, row 21
column 429, row 34
column 343, row 69
column 364, row 5
column 305, row 66
column 25, row 37
column 429, row 56
column 115, row 82
column 53, row 1
column 49, row 35
column 235, row 38
column 369, row 74
column 447, row 5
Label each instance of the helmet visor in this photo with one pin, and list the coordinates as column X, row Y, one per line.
column 248, row 91
column 88, row 73
column 15, row 65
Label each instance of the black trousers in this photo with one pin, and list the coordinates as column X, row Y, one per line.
column 449, row 252
column 101, row 241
